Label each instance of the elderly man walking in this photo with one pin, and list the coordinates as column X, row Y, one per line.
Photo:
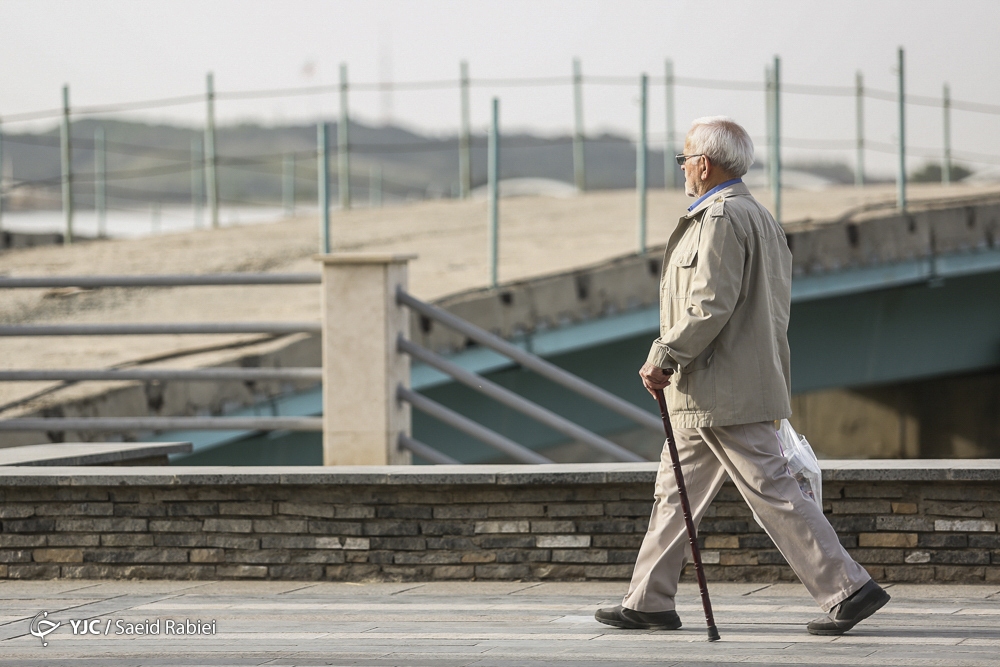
column 725, row 294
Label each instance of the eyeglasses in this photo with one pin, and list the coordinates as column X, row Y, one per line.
column 681, row 159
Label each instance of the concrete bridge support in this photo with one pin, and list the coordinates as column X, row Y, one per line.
column 943, row 417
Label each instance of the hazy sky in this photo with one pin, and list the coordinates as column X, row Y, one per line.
column 122, row 50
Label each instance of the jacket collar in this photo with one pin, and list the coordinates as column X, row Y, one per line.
column 733, row 190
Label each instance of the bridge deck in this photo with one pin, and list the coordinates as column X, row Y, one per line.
column 538, row 236
column 516, row 624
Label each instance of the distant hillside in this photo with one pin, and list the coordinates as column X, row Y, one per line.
column 153, row 163
column 149, row 163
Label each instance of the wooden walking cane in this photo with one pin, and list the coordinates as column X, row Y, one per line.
column 713, row 632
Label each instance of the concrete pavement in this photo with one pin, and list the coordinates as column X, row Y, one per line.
column 481, row 624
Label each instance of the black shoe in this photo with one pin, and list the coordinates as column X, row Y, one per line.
column 620, row 617
column 863, row 603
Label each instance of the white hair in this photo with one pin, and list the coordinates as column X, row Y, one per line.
column 724, row 141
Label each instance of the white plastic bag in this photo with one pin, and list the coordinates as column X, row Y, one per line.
column 802, row 463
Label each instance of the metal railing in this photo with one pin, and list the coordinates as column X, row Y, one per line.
column 507, row 397
column 499, row 442
column 165, row 374
column 118, row 424
column 422, row 403
column 425, row 452
column 533, row 362
column 123, row 424
column 157, row 329
column 163, row 280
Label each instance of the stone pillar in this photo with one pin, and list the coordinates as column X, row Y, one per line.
column 362, row 419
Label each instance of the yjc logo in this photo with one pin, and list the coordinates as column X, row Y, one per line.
column 83, row 627
column 40, row 627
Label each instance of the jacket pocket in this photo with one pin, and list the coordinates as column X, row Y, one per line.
column 682, row 267
column 696, row 384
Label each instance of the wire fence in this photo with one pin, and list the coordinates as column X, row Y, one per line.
column 454, row 84
column 200, row 163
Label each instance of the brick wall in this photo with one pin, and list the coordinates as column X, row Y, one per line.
column 557, row 522
column 905, row 531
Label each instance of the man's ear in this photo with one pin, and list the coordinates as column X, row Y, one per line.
column 706, row 167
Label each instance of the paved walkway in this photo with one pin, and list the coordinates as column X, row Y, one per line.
column 479, row 623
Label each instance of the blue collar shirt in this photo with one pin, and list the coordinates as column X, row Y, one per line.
column 720, row 186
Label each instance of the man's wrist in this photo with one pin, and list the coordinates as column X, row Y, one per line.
column 659, row 357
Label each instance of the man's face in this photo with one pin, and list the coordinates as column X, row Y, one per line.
column 692, row 171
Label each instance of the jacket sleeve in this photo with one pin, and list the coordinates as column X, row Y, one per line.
column 715, row 289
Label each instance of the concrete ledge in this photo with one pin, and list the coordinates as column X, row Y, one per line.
column 889, row 470
column 92, row 453
column 365, row 258
column 911, row 470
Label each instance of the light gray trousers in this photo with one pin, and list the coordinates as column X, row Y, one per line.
column 751, row 456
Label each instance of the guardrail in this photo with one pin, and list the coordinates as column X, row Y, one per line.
column 162, row 280
column 366, row 420
column 502, row 444
column 113, row 424
column 127, row 424
column 276, row 328
column 424, row 451
column 512, row 400
column 165, row 374
column 507, row 397
column 532, row 362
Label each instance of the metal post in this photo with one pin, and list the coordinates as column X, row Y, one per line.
column 493, row 177
column 901, row 173
column 197, row 180
column 288, row 185
column 768, row 119
column 946, row 165
column 375, row 187
column 1, row 181
column 859, row 108
column 670, row 170
column 100, row 183
column 579, row 167
column 640, row 162
column 343, row 145
column 67, row 169
column 776, row 139
column 323, row 186
column 464, row 137
column 211, row 183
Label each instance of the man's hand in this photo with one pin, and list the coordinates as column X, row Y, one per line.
column 654, row 377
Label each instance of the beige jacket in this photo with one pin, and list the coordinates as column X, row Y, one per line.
column 725, row 294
